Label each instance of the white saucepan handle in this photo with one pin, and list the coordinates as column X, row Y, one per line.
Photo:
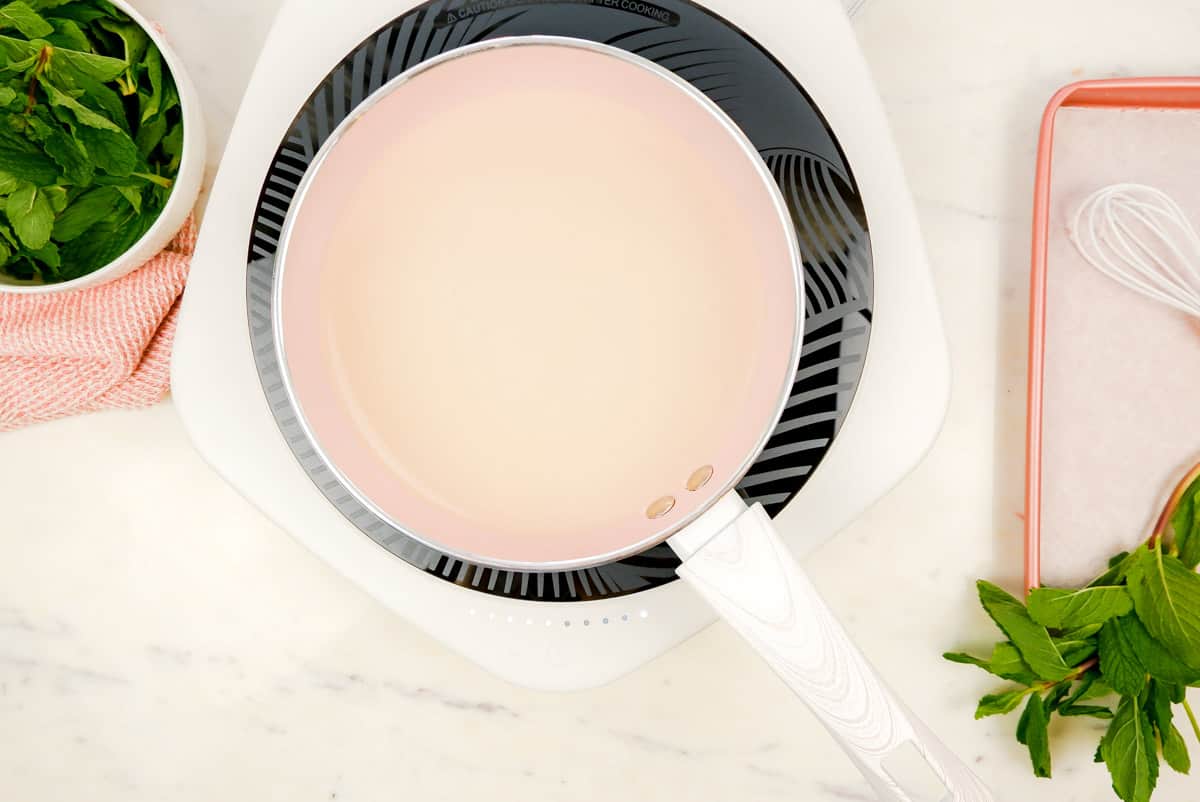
column 747, row 574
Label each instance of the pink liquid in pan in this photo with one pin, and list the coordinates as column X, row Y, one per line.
column 530, row 292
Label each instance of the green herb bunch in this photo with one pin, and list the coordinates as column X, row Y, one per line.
column 1130, row 638
column 91, row 135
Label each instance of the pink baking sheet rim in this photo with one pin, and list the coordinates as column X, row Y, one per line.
column 1154, row 93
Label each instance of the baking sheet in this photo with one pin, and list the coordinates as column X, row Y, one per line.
column 1121, row 405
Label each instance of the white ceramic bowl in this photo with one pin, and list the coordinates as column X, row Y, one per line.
column 183, row 194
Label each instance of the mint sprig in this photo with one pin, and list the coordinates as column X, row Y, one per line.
column 91, row 133
column 1128, row 642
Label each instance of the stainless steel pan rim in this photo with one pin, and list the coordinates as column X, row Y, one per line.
column 782, row 212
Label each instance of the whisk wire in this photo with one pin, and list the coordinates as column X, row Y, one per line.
column 1136, row 251
column 1141, row 238
column 1172, row 215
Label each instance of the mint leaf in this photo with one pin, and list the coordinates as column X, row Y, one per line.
column 154, row 71
column 98, row 96
column 75, row 64
column 1174, row 749
column 1129, row 751
column 1084, row 685
column 132, row 36
column 135, row 41
column 18, row 50
column 113, row 151
column 88, row 209
column 1023, row 727
column 107, row 240
column 1166, row 595
column 57, row 197
column 82, row 113
column 43, row 5
column 29, row 211
column 170, row 96
column 133, row 195
column 16, row 66
column 1005, row 662
column 1119, row 662
column 80, row 11
column 9, row 183
column 1056, row 694
column 1082, row 633
column 1185, row 522
column 76, row 166
column 997, row 704
column 172, row 146
column 48, row 255
column 1091, row 711
column 1069, row 609
column 24, row 160
column 1117, row 566
column 1089, row 687
column 1075, row 652
column 1154, row 657
column 68, row 35
column 1031, row 639
column 150, row 135
column 1098, row 690
column 1009, row 664
column 1037, row 736
column 20, row 16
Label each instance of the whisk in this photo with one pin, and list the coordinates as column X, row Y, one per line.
column 1140, row 237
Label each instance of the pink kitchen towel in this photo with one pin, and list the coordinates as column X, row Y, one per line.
column 97, row 348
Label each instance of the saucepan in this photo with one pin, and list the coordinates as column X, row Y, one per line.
column 540, row 307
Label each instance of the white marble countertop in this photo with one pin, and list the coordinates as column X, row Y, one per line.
column 160, row 640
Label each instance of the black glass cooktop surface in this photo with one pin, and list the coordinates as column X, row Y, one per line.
column 757, row 93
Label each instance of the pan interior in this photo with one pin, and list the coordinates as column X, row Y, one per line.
column 529, row 295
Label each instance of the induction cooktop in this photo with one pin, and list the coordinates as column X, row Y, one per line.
column 866, row 400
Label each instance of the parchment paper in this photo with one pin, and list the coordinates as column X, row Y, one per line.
column 1122, row 381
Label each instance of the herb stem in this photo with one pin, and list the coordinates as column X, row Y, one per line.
column 43, row 60
column 1084, row 667
column 1192, row 718
column 1164, row 520
column 1074, row 676
column 165, row 183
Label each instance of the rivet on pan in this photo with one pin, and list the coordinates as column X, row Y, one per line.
column 660, row 508
column 700, row 478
